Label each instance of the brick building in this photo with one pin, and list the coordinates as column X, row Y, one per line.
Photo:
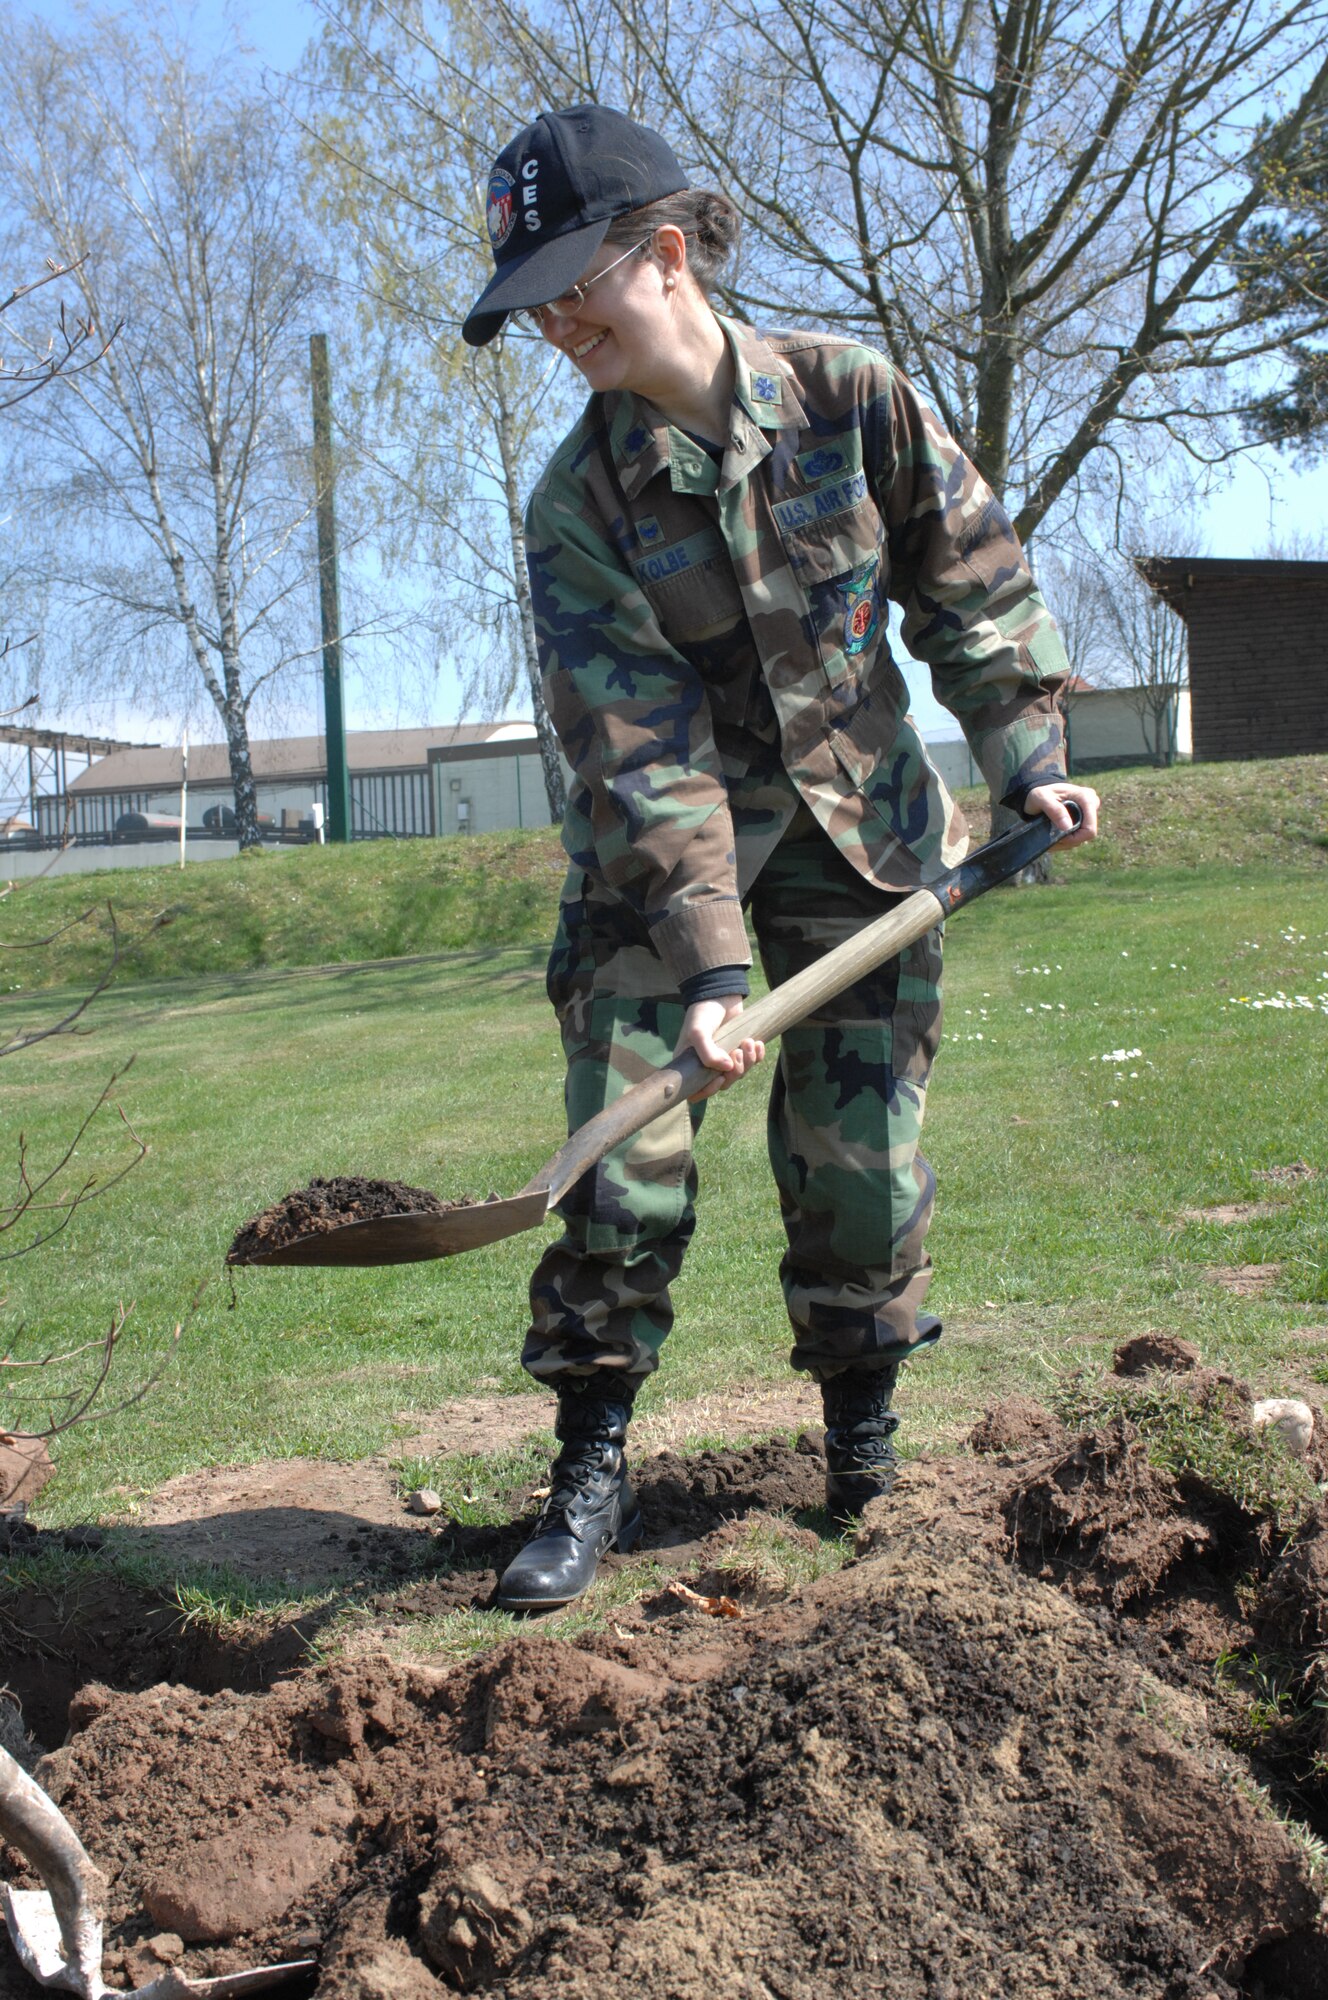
column 1258, row 643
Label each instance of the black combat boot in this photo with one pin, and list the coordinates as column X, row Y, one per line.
column 591, row 1508
column 859, row 1426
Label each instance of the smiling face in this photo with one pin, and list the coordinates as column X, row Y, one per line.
column 618, row 336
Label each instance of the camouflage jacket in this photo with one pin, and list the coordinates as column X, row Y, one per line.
column 713, row 637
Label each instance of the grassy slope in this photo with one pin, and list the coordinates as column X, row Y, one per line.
column 387, row 899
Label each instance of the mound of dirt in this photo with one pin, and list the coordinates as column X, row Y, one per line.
column 1151, row 1353
column 927, row 1775
column 1016, row 1427
column 1291, row 1611
column 330, row 1204
column 1103, row 1519
column 978, row 1761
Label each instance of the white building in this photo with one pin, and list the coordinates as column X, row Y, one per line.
column 125, row 809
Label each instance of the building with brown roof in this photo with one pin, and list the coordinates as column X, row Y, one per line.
column 1258, row 644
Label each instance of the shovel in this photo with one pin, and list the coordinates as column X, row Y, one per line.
column 56, row 1932
column 413, row 1238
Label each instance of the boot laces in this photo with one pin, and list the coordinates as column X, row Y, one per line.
column 580, row 1476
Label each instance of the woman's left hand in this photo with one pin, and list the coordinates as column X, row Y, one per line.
column 1049, row 799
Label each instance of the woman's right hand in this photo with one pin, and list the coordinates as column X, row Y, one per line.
column 700, row 1024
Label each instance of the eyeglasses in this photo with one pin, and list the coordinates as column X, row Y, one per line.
column 571, row 301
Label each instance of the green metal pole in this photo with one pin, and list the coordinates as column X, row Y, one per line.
column 329, row 605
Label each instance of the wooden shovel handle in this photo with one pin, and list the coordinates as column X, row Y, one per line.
column 765, row 1021
column 798, row 997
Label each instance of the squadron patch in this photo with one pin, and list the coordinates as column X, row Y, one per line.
column 500, row 208
column 862, row 607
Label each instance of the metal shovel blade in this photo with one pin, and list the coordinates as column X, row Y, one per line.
column 413, row 1238
column 35, row 1931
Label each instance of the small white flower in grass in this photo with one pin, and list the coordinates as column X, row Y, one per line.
column 1114, row 1103
column 1120, row 1055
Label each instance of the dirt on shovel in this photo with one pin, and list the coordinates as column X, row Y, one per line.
column 330, row 1204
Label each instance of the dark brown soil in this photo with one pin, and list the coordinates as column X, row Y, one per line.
column 929, row 1775
column 983, row 1761
column 1016, row 1427
column 330, row 1204
column 1154, row 1353
column 1291, row 1611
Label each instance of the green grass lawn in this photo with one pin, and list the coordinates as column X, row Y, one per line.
column 1063, row 1167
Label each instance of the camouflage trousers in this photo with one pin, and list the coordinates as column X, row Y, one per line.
column 845, row 1118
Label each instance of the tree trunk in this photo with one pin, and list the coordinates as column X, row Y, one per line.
column 555, row 789
column 236, row 724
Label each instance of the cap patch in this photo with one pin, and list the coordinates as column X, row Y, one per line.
column 500, row 209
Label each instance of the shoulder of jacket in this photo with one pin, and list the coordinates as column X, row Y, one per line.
column 829, row 353
column 562, row 469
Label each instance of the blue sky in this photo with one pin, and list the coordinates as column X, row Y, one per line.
column 1262, row 497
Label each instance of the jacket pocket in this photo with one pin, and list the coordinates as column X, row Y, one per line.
column 842, row 572
column 691, row 587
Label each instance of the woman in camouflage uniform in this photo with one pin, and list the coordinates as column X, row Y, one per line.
column 711, row 550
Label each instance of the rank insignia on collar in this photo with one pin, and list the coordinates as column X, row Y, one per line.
column 765, row 388
column 636, row 440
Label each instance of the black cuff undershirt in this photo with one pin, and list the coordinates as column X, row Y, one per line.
column 717, row 984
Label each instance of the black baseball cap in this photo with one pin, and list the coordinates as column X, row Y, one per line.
column 551, row 196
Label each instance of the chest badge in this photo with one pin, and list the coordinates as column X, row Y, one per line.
column 821, row 462
column 862, row 607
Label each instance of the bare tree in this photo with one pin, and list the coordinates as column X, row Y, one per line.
column 1282, row 259
column 1027, row 206
column 1075, row 585
column 1152, row 655
column 48, row 345
column 72, row 344
column 449, row 438
column 174, row 476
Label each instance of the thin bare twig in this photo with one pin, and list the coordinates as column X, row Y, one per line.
column 77, row 1402
column 65, row 1025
